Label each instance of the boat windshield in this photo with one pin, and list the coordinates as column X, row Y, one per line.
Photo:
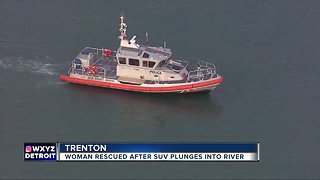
column 162, row 63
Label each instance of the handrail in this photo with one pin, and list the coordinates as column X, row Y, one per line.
column 97, row 51
column 102, row 72
column 204, row 71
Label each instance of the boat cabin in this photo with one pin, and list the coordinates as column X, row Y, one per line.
column 146, row 62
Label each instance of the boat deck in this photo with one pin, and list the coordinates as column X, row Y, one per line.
column 109, row 66
column 106, row 68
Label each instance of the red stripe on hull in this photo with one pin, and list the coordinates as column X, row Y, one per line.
column 179, row 88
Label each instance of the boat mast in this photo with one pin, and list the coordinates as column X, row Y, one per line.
column 123, row 28
column 124, row 42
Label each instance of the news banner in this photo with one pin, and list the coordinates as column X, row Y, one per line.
column 140, row 152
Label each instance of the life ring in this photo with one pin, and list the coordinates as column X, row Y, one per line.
column 107, row 53
column 93, row 69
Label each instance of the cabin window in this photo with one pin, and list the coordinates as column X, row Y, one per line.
column 151, row 64
column 145, row 55
column 122, row 60
column 134, row 62
column 145, row 63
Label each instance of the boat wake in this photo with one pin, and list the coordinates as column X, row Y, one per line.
column 25, row 65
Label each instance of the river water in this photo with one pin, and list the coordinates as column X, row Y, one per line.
column 267, row 51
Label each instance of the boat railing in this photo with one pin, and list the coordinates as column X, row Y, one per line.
column 204, row 71
column 94, row 55
column 101, row 73
column 179, row 64
column 96, row 51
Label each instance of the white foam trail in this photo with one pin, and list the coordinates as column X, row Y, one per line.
column 26, row 65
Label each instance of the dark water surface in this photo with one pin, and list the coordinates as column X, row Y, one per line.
column 267, row 51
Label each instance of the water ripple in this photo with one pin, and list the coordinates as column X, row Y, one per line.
column 28, row 65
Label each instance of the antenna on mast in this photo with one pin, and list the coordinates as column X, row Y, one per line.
column 147, row 38
column 123, row 28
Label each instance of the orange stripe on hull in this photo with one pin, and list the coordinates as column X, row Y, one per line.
column 179, row 88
